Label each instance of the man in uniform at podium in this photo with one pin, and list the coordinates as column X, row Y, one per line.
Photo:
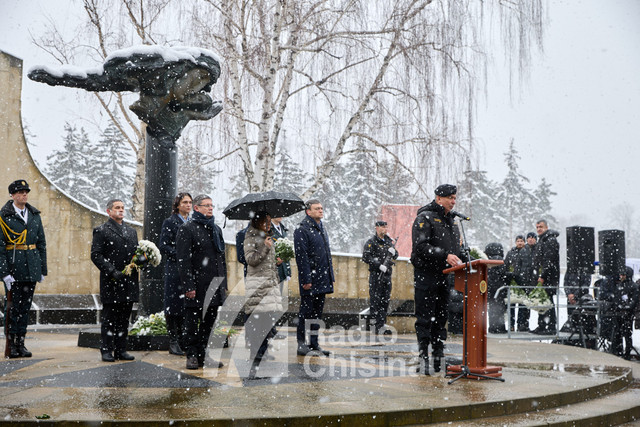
column 436, row 246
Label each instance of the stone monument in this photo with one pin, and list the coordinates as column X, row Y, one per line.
column 174, row 85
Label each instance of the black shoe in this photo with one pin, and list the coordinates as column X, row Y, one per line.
column 14, row 350
column 123, row 355
column 22, row 350
column 174, row 348
column 320, row 350
column 523, row 328
column 437, row 364
column 211, row 363
column 303, row 350
column 192, row 362
column 107, row 356
column 423, row 366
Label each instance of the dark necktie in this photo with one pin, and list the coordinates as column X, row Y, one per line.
column 22, row 212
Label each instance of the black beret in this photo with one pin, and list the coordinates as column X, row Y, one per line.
column 446, row 190
column 379, row 223
column 18, row 185
column 532, row 234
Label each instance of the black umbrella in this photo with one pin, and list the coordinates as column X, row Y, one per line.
column 275, row 203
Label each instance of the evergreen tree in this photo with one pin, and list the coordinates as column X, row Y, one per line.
column 514, row 197
column 396, row 184
column 477, row 198
column 542, row 207
column 194, row 176
column 111, row 168
column 289, row 175
column 67, row 168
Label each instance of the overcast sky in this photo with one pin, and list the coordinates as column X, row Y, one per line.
column 576, row 122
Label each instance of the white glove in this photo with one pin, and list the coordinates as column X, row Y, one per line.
column 392, row 251
column 383, row 268
column 41, row 278
column 8, row 280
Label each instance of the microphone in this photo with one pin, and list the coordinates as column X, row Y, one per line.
column 459, row 215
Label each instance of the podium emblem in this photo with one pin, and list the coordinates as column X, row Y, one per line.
column 483, row 286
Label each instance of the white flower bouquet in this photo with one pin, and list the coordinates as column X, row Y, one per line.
column 146, row 252
column 537, row 299
column 284, row 249
column 476, row 253
column 155, row 324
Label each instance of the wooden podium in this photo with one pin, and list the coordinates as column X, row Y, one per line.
column 474, row 352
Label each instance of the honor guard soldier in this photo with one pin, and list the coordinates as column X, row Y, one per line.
column 379, row 253
column 23, row 262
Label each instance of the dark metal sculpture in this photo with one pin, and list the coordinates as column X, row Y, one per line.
column 174, row 86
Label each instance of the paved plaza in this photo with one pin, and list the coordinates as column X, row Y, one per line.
column 364, row 382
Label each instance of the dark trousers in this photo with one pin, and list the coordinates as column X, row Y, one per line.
column 497, row 308
column 22, row 296
column 115, row 326
column 431, row 305
column 198, row 329
column 547, row 320
column 523, row 317
column 311, row 307
column 379, row 294
column 259, row 329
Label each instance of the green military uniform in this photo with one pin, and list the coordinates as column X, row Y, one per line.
column 23, row 259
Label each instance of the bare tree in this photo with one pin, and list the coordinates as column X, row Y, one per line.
column 95, row 39
column 401, row 75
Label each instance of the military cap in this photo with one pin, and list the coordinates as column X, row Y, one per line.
column 18, row 185
column 380, row 223
column 446, row 190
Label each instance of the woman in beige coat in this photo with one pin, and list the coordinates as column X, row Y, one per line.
column 263, row 307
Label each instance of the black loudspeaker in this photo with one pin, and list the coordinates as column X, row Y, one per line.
column 581, row 250
column 611, row 252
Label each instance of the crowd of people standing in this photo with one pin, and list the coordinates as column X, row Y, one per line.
column 195, row 268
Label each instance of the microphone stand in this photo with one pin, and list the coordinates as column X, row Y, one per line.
column 464, row 368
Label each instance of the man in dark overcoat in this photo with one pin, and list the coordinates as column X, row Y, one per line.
column 315, row 276
column 203, row 271
column 23, row 261
column 546, row 264
column 173, row 292
column 519, row 265
column 113, row 247
column 379, row 253
column 436, row 247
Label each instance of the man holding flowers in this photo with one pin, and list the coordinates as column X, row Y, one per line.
column 112, row 249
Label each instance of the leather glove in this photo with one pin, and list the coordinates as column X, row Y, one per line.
column 119, row 275
column 392, row 251
column 8, row 280
column 383, row 268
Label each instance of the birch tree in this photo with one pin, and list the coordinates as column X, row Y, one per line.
column 401, row 75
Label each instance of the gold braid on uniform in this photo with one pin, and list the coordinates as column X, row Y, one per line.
column 20, row 237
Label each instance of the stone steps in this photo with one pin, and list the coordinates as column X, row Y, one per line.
column 617, row 408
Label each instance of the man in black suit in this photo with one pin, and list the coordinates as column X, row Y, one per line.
column 113, row 246
column 202, row 266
